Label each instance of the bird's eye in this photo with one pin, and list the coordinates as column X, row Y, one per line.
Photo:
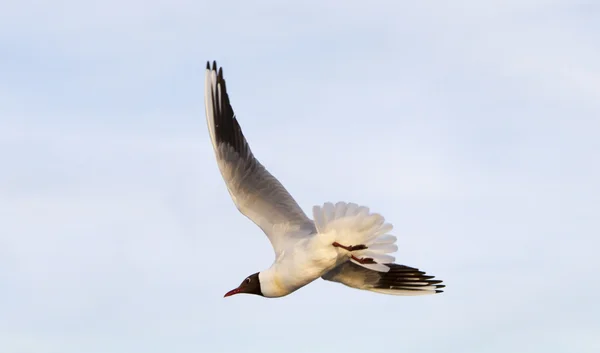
column 247, row 280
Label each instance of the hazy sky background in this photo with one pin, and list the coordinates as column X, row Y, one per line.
column 472, row 126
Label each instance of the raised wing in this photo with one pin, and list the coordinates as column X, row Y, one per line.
column 399, row 280
column 256, row 193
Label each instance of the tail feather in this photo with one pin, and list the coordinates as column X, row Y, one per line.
column 340, row 211
column 384, row 229
column 328, row 212
column 384, row 248
column 351, row 224
column 385, row 239
column 351, row 209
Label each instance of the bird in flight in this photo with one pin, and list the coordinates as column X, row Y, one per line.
column 344, row 242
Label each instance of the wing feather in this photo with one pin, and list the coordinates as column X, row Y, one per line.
column 399, row 280
column 256, row 193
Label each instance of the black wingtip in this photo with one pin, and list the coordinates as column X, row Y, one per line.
column 227, row 129
column 208, row 65
column 408, row 278
column 439, row 291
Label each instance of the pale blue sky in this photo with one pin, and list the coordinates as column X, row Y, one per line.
column 472, row 126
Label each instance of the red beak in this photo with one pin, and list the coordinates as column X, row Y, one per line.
column 232, row 292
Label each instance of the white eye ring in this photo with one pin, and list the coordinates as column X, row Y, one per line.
column 248, row 280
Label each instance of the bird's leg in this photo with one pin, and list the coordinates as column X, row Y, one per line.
column 349, row 248
column 363, row 260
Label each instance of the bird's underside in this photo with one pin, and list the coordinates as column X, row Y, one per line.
column 263, row 199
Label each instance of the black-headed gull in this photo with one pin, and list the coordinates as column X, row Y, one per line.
column 345, row 243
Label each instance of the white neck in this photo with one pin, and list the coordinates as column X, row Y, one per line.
column 271, row 285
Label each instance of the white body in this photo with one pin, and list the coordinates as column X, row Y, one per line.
column 307, row 257
column 300, row 264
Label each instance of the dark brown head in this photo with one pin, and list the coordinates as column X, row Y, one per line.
column 250, row 285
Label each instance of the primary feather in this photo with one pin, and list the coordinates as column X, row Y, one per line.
column 256, row 193
column 399, row 280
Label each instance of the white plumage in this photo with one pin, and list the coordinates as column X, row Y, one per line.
column 349, row 223
column 345, row 243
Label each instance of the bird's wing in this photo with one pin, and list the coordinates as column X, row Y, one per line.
column 256, row 193
column 399, row 280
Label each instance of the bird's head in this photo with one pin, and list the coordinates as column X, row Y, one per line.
column 250, row 285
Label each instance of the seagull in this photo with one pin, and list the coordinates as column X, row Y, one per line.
column 344, row 242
